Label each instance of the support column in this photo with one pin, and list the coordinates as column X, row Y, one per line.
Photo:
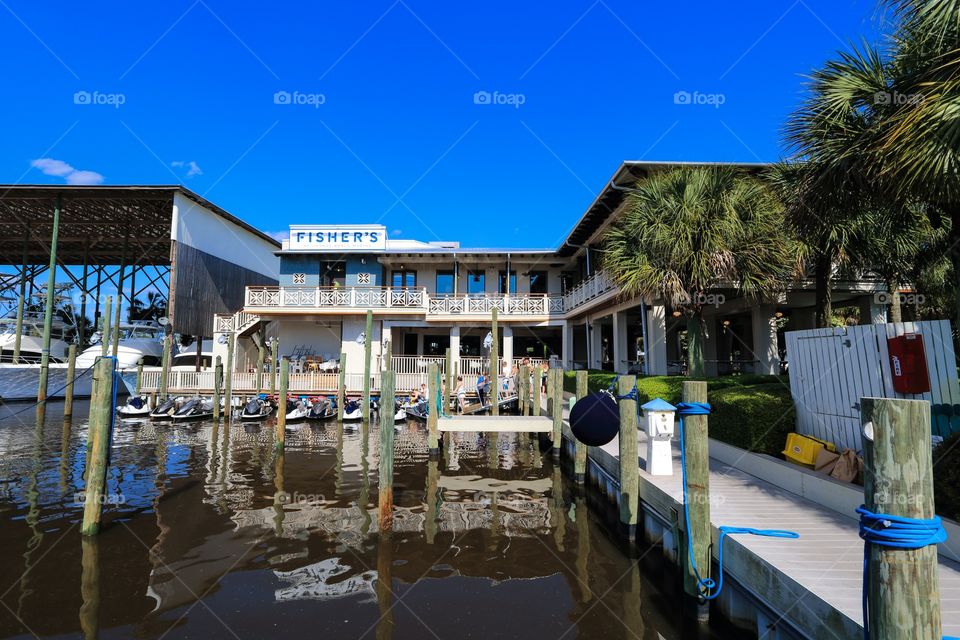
column 711, row 338
column 566, row 345
column 596, row 345
column 48, row 310
column 655, row 345
column 508, row 346
column 620, row 349
column 872, row 311
column 765, row 338
column 455, row 348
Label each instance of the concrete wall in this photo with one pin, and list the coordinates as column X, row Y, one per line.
column 355, row 265
column 323, row 336
column 353, row 326
column 309, row 265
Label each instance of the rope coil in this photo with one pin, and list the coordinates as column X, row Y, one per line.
column 894, row 532
column 708, row 588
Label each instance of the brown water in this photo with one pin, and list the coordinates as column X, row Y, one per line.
column 213, row 535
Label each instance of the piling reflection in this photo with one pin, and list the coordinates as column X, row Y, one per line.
column 289, row 542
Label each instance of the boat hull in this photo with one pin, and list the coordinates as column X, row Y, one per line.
column 19, row 382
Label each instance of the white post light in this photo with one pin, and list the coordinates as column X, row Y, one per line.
column 660, row 416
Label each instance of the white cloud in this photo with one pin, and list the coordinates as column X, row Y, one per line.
column 279, row 235
column 84, row 177
column 396, row 232
column 193, row 169
column 61, row 169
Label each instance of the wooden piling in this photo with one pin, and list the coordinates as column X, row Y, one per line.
column 228, row 381
column 432, row 500
column 494, row 365
column 282, row 402
column 105, row 320
column 433, row 388
column 367, row 357
column 274, row 365
column 342, row 387
column 89, row 588
column 387, row 354
column 385, row 504
column 101, row 413
column 19, row 328
column 261, row 359
column 448, row 384
column 217, row 381
column 48, row 308
column 139, row 386
column 557, row 412
column 71, row 373
column 523, row 391
column 698, row 503
column 629, row 460
column 580, row 449
column 164, row 365
column 537, row 390
column 903, row 593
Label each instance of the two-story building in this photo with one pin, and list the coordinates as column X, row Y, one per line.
column 552, row 303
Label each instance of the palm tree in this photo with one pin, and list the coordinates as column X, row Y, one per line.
column 693, row 230
column 887, row 117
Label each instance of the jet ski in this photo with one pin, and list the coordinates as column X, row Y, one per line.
column 257, row 409
column 194, row 409
column 322, row 409
column 352, row 411
column 164, row 409
column 297, row 410
column 136, row 407
column 400, row 413
column 418, row 410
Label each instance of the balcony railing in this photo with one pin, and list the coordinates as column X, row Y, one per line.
column 260, row 299
column 594, row 286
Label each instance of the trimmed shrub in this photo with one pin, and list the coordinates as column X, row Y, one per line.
column 669, row 387
column 946, row 477
column 756, row 418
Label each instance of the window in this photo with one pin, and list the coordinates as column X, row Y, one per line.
column 502, row 284
column 404, row 279
column 538, row 282
column 444, row 283
column 476, row 282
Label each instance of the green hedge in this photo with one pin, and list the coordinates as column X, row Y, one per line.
column 668, row 387
column 946, row 477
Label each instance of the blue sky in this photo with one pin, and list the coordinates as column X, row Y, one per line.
column 317, row 112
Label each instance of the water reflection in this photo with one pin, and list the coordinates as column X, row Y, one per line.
column 218, row 531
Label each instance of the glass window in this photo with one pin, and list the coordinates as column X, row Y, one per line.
column 502, row 284
column 538, row 282
column 444, row 283
column 476, row 282
column 404, row 279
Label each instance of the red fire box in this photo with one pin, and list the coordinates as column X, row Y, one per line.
column 908, row 363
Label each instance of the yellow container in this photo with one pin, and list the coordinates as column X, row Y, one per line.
column 803, row 449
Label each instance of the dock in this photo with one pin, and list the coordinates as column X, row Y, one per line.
column 811, row 585
column 519, row 424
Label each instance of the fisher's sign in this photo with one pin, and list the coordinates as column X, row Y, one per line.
column 344, row 238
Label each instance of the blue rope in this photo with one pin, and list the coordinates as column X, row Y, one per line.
column 708, row 588
column 633, row 394
column 895, row 532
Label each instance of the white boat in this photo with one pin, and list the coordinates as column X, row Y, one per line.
column 352, row 411
column 186, row 357
column 19, row 382
column 298, row 409
column 62, row 329
column 138, row 339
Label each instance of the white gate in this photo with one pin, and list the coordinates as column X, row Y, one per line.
column 831, row 369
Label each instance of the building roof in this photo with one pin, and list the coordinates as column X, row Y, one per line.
column 96, row 222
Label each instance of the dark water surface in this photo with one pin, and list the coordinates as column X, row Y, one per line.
column 215, row 536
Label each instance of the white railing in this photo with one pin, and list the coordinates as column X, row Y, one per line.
column 597, row 284
column 336, row 297
column 483, row 304
column 416, row 364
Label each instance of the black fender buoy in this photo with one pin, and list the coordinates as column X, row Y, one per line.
column 595, row 419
